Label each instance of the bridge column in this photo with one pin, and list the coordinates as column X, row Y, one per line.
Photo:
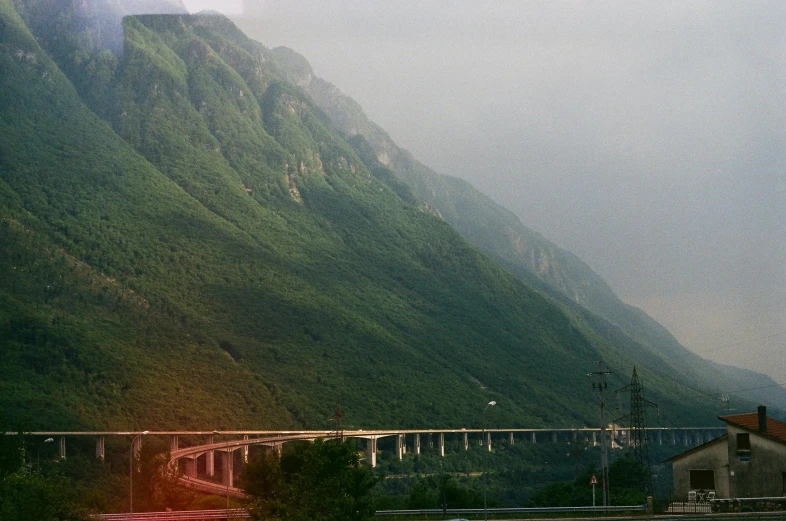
column 488, row 441
column 594, row 438
column 554, row 436
column 210, row 459
column 686, row 438
column 245, row 449
column 416, row 448
column 511, row 441
column 400, row 446
column 430, row 440
column 699, row 438
column 227, row 468
column 660, row 437
column 442, row 444
column 534, row 438
column 371, row 451
column 575, row 436
column 136, row 448
column 173, row 444
column 673, row 437
column 100, row 448
column 190, row 466
column 466, row 441
column 61, row 448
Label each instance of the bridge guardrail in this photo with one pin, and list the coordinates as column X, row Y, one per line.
column 183, row 515
column 511, row 510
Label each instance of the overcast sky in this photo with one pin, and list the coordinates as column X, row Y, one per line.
column 648, row 138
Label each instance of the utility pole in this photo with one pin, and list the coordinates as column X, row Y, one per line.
column 602, row 386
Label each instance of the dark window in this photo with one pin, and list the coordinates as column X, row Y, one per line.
column 743, row 442
column 702, row 479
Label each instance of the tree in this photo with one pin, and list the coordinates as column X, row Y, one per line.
column 321, row 481
column 156, row 485
column 32, row 496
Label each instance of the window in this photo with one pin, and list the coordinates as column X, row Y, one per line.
column 744, row 446
column 702, row 479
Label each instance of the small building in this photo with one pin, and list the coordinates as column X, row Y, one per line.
column 748, row 461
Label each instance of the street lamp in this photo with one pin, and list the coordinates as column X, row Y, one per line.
column 483, row 459
column 228, row 467
column 131, row 472
column 38, row 454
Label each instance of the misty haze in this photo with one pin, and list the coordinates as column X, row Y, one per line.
column 645, row 138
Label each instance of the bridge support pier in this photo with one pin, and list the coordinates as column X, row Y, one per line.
column 371, row 451
column 173, row 444
column 488, row 441
column 245, row 449
column 400, row 446
column 660, row 437
column 100, row 448
column 442, row 444
column 227, row 468
column 416, row 448
column 190, row 466
column 673, row 438
column 61, row 447
column 210, row 459
column 511, row 440
column 466, row 441
column 575, row 436
column 554, row 436
column 534, row 438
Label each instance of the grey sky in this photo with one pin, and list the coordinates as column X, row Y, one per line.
column 648, row 138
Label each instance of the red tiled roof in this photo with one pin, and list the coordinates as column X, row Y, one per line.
column 776, row 430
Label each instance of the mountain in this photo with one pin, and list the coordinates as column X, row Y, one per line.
column 501, row 235
column 192, row 245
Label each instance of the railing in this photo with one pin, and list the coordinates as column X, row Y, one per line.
column 183, row 515
column 689, row 507
column 494, row 511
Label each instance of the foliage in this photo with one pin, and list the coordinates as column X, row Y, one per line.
column 155, row 484
column 319, row 481
column 28, row 496
column 627, row 485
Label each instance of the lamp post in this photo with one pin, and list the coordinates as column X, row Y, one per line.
column 483, row 459
column 131, row 472
column 228, row 467
column 38, row 453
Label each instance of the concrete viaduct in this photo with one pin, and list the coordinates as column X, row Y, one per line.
column 202, row 455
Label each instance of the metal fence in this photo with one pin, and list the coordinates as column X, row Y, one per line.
column 454, row 512
column 187, row 515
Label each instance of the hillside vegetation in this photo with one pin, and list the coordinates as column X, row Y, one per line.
column 195, row 246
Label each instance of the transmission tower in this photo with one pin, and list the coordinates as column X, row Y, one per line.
column 637, row 441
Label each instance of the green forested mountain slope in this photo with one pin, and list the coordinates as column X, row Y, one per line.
column 501, row 235
column 214, row 255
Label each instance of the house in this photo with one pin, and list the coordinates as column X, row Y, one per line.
column 748, row 461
